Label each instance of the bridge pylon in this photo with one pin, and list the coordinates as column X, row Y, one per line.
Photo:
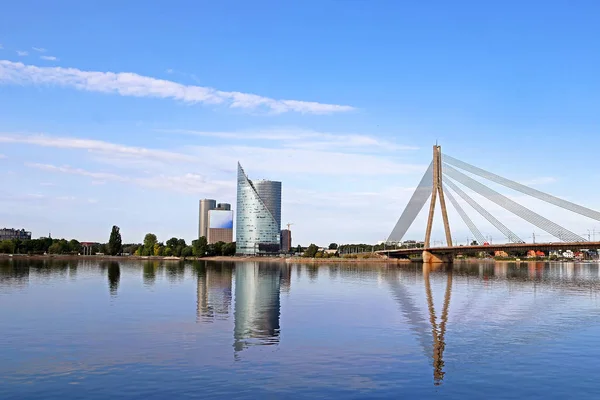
column 438, row 190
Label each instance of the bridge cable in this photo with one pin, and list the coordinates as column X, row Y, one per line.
column 537, row 220
column 476, row 232
column 510, row 235
column 545, row 224
column 522, row 212
column 414, row 206
column 555, row 230
column 523, row 189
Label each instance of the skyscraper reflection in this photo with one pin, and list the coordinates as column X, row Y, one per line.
column 257, row 305
column 214, row 291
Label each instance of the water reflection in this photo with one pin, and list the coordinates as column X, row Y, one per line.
column 438, row 332
column 256, row 305
column 114, row 276
column 213, row 291
column 149, row 272
column 434, row 346
column 257, row 289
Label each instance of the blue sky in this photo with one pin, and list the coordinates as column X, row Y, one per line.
column 128, row 113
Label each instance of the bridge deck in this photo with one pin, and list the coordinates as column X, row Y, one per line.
column 494, row 247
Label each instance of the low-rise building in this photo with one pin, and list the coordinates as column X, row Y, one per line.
column 10, row 234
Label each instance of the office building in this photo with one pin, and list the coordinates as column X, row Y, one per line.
column 205, row 206
column 223, row 206
column 258, row 215
column 10, row 234
column 220, row 225
column 286, row 240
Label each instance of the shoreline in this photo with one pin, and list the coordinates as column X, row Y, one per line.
column 297, row 260
column 287, row 260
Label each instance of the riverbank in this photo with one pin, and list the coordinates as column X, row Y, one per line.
column 294, row 260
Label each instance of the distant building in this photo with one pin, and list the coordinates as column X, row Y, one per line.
column 286, row 240
column 258, row 215
column 10, row 234
column 500, row 253
column 220, row 225
column 205, row 206
column 568, row 254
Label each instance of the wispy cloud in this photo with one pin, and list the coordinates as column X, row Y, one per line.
column 76, row 171
column 22, row 53
column 187, row 183
column 298, row 138
column 2, row 156
column 90, row 145
column 134, row 85
column 39, row 49
column 322, row 160
column 49, row 58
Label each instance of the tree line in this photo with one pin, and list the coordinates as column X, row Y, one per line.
column 179, row 248
column 150, row 247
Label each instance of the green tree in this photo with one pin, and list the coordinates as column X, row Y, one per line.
column 158, row 249
column 333, row 246
column 168, row 252
column 187, row 251
column 299, row 249
column 200, row 247
column 115, row 245
column 311, row 251
column 172, row 243
column 218, row 248
column 149, row 242
column 74, row 246
column 7, row 247
column 55, row 248
column 229, row 249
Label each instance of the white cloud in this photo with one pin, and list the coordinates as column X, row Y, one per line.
column 22, row 53
column 299, row 138
column 39, row 49
column 134, row 85
column 291, row 161
column 188, row 183
column 90, row 145
column 49, row 58
column 76, row 171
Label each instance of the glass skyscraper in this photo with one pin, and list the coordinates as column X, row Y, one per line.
column 258, row 218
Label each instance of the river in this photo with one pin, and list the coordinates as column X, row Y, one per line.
column 211, row 330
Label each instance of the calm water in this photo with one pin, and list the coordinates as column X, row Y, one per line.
column 267, row 331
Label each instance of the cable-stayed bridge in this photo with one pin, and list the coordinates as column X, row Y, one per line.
column 445, row 176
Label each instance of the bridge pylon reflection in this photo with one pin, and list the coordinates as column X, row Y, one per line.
column 433, row 346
